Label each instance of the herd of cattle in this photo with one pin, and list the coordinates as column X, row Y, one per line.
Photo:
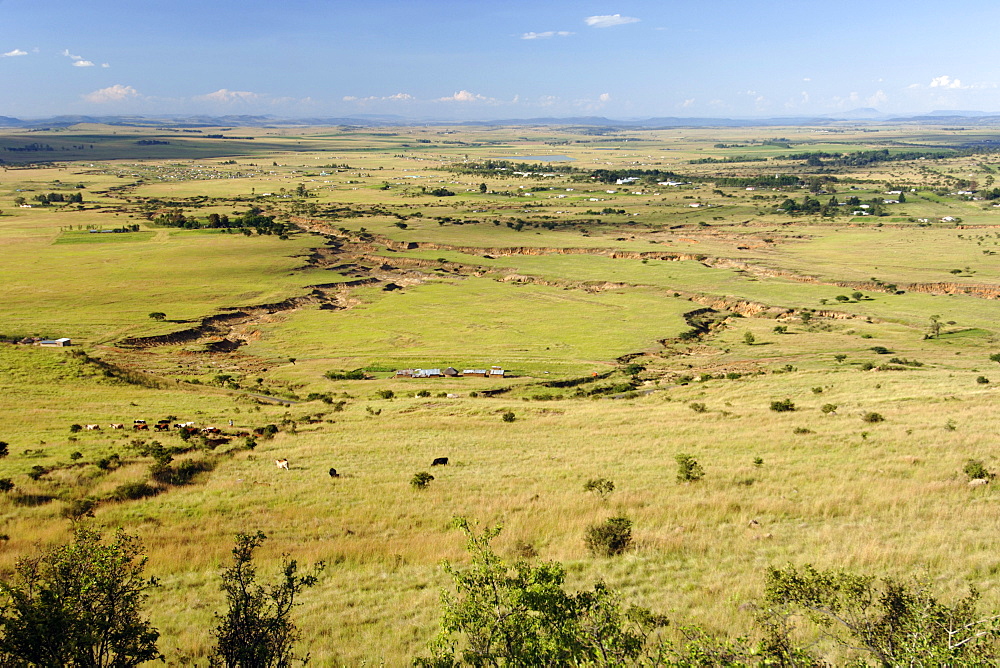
column 162, row 425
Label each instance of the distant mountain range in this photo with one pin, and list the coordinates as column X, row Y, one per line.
column 969, row 118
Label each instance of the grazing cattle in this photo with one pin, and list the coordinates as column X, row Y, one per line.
column 334, row 474
column 281, row 463
column 211, row 430
column 138, row 422
column 160, row 426
column 978, row 482
column 140, row 426
column 117, row 425
column 93, row 427
column 440, row 461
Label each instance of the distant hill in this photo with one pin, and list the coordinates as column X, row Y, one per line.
column 866, row 114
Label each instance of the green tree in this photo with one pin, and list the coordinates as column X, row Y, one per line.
column 896, row 623
column 688, row 468
column 421, row 480
column 749, row 338
column 599, row 486
column 158, row 316
column 517, row 614
column 79, row 605
column 935, row 326
column 610, row 538
column 257, row 631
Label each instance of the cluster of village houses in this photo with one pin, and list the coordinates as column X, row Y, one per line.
column 48, row 343
column 451, row 372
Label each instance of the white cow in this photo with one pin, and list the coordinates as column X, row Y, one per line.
column 281, row 463
column 117, row 425
column 93, row 427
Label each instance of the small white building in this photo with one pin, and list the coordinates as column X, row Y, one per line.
column 54, row 343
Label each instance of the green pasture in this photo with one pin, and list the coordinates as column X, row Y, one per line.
column 86, row 237
column 690, row 277
column 98, row 292
column 911, row 255
column 476, row 323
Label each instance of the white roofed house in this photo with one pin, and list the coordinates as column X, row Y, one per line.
column 55, row 343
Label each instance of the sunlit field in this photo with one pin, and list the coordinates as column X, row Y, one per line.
column 657, row 307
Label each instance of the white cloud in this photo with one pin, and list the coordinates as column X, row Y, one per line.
column 687, row 103
column 877, row 99
column 547, row 34
column 80, row 61
column 945, row 81
column 105, row 65
column 397, row 97
column 609, row 20
column 224, row 95
column 604, row 97
column 807, row 78
column 15, row 52
column 116, row 93
column 465, row 96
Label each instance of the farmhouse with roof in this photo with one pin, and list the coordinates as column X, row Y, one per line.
column 451, row 372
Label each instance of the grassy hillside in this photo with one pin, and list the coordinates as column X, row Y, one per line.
column 633, row 326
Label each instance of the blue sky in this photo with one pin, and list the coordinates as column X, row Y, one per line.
column 450, row 59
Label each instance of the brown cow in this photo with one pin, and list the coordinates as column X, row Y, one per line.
column 281, row 463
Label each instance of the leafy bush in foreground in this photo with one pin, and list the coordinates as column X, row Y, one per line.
column 79, row 605
column 504, row 614
column 257, row 630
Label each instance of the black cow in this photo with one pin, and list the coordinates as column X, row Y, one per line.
column 440, row 461
column 334, row 474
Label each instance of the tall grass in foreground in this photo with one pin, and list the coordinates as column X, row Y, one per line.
column 882, row 498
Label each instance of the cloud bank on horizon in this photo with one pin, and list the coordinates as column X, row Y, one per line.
column 424, row 59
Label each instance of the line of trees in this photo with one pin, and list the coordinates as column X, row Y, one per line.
column 252, row 219
column 863, row 158
column 506, row 167
column 51, row 198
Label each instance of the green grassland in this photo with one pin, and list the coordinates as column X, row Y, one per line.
column 628, row 338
